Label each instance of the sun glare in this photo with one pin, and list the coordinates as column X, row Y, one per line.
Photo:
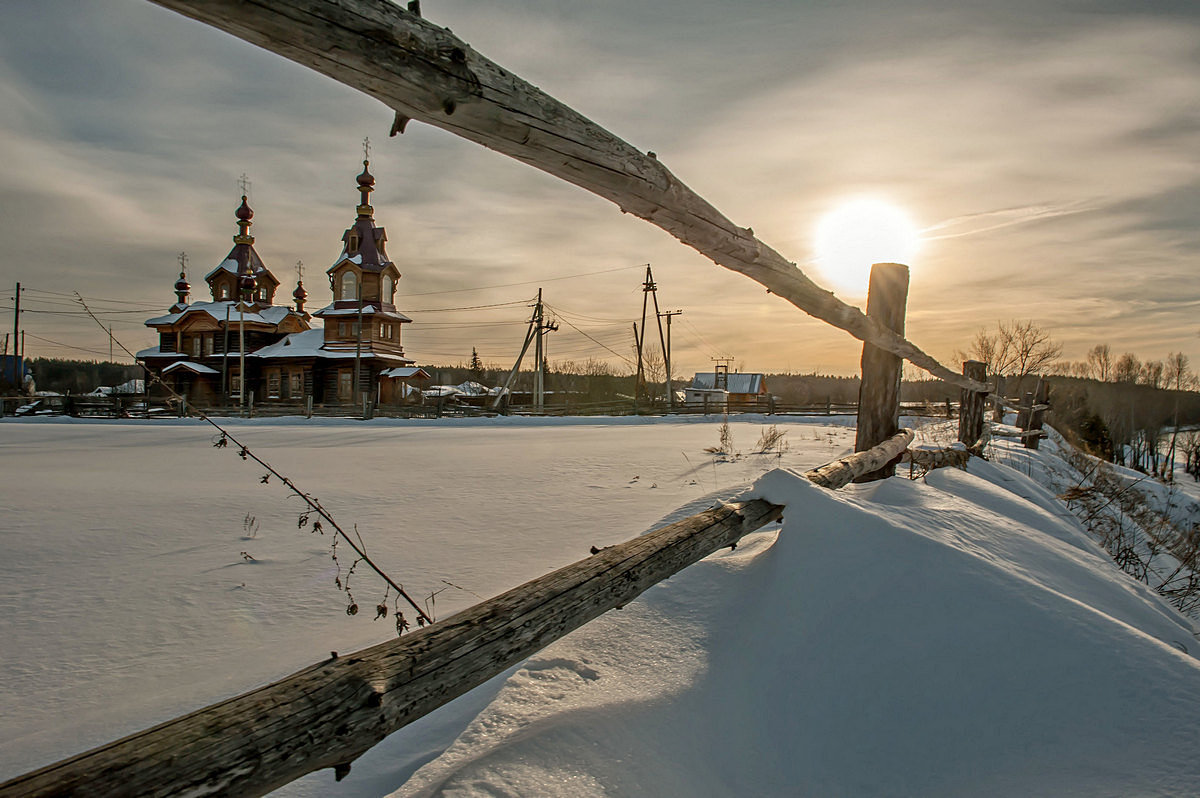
column 858, row 233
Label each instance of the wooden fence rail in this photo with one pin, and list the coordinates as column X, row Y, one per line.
column 328, row 714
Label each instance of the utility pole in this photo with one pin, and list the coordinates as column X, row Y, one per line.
column 667, row 353
column 356, row 393
column 639, row 387
column 512, row 375
column 539, row 375
column 649, row 289
column 16, row 334
column 225, row 362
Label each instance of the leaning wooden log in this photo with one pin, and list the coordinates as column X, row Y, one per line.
column 426, row 73
column 841, row 472
column 929, row 459
column 330, row 713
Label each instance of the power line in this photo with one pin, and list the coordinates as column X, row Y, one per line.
column 590, row 338
column 531, row 282
column 65, row 346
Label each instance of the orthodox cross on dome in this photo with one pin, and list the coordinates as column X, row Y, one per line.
column 366, row 148
column 300, row 295
column 182, row 288
column 244, row 185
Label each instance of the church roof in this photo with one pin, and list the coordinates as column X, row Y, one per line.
column 271, row 314
column 310, row 343
column 378, row 312
column 236, row 260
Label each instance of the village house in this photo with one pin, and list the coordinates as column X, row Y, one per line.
column 199, row 354
column 720, row 389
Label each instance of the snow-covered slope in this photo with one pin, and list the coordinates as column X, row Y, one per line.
column 957, row 635
column 953, row 635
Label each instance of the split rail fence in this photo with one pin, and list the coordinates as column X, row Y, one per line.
column 330, row 713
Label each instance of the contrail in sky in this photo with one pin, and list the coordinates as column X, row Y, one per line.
column 1005, row 217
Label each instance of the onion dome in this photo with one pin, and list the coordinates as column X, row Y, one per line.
column 300, row 294
column 244, row 215
column 366, row 178
column 246, row 283
column 181, row 285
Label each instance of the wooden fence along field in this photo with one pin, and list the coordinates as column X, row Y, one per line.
column 330, row 713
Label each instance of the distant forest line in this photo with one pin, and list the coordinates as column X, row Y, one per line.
column 1106, row 417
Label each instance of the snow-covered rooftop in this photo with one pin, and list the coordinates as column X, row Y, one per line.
column 310, row 343
column 272, row 314
column 333, row 310
column 187, row 365
column 406, row 373
column 737, row 382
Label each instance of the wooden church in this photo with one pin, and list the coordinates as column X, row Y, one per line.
column 204, row 346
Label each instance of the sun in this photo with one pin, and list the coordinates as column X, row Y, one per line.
column 860, row 232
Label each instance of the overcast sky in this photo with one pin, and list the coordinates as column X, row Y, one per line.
column 1048, row 149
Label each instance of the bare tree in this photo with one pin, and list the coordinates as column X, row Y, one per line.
column 1127, row 369
column 1152, row 373
column 984, row 348
column 1101, row 362
column 1177, row 373
column 1024, row 348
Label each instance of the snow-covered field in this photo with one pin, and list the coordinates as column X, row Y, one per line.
column 956, row 635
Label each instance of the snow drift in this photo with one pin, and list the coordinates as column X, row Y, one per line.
column 959, row 635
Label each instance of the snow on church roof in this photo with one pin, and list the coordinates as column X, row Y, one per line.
column 333, row 310
column 272, row 314
column 310, row 343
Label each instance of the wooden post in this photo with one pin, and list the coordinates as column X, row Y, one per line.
column 1037, row 412
column 1025, row 410
column 971, row 405
column 998, row 401
column 879, row 391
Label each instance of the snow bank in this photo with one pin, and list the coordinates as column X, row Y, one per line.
column 956, row 636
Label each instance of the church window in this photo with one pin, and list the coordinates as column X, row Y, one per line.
column 349, row 285
column 388, row 287
column 222, row 291
column 235, row 383
column 352, row 243
column 196, row 346
column 207, row 346
column 297, row 380
column 273, row 384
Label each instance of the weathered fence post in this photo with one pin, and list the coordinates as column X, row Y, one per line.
column 308, row 406
column 1037, row 412
column 879, row 391
column 1025, row 410
column 971, row 405
column 998, row 401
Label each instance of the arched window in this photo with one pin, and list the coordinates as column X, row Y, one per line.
column 223, row 291
column 388, row 287
column 349, row 285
